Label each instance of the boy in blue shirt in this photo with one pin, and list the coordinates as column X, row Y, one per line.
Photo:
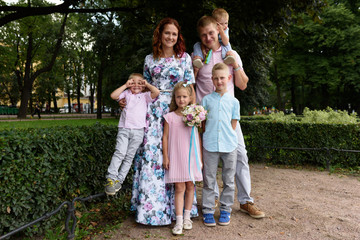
column 220, row 141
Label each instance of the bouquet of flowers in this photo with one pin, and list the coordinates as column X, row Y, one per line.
column 193, row 115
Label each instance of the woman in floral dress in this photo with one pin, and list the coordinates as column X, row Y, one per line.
column 152, row 199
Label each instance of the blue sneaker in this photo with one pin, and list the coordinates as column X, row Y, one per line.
column 224, row 218
column 209, row 220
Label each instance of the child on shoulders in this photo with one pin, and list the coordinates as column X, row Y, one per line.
column 131, row 128
column 200, row 55
column 220, row 143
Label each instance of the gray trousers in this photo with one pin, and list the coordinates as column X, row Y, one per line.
column 127, row 143
column 211, row 161
column 242, row 175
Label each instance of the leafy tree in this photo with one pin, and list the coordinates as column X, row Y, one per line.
column 30, row 45
column 255, row 29
column 320, row 60
column 9, row 87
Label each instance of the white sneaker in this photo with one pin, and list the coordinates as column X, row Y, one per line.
column 187, row 224
column 229, row 60
column 177, row 230
column 198, row 63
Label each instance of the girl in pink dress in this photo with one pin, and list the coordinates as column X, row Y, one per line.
column 176, row 147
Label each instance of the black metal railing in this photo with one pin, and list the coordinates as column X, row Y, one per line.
column 70, row 216
column 71, row 205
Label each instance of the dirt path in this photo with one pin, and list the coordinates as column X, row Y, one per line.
column 299, row 204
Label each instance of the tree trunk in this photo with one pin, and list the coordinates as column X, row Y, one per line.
column 69, row 100
column 91, row 98
column 28, row 78
column 278, row 89
column 325, row 98
column 78, row 91
column 27, row 86
column 293, row 96
column 56, row 110
column 99, row 88
column 48, row 107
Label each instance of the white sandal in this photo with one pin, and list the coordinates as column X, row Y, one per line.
column 229, row 60
column 187, row 224
column 177, row 230
column 198, row 63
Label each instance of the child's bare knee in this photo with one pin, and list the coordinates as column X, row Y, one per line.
column 189, row 187
column 179, row 187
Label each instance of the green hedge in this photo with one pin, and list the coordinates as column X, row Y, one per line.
column 41, row 168
column 259, row 133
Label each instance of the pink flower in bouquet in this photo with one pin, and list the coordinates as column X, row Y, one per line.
column 189, row 117
column 202, row 116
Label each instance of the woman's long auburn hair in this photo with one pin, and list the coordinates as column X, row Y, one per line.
column 179, row 85
column 179, row 47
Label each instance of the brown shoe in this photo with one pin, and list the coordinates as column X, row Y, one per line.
column 250, row 209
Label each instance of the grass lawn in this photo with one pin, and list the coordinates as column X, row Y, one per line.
column 54, row 123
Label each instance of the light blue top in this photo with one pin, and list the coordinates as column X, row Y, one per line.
column 219, row 136
column 226, row 31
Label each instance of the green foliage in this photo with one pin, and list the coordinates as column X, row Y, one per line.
column 318, row 62
column 294, row 134
column 328, row 116
column 54, row 123
column 41, row 168
column 107, row 47
column 96, row 217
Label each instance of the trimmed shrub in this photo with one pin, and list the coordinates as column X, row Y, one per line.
column 259, row 134
column 41, row 168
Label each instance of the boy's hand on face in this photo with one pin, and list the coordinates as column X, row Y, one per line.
column 143, row 83
column 130, row 83
column 220, row 27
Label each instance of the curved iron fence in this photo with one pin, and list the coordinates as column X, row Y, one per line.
column 70, row 216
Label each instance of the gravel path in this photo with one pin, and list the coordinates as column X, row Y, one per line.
column 299, row 204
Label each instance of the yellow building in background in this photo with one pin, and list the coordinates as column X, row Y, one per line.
column 62, row 103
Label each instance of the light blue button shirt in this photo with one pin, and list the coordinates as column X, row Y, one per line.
column 219, row 136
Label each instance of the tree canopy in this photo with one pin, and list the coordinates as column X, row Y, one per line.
column 121, row 33
column 320, row 60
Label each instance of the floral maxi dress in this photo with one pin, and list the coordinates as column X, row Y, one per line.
column 152, row 199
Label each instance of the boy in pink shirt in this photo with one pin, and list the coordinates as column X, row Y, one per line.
column 131, row 128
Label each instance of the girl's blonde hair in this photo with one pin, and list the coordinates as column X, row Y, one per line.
column 178, row 86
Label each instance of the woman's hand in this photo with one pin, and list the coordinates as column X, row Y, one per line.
column 122, row 103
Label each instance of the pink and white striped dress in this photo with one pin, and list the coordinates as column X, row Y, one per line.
column 178, row 151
